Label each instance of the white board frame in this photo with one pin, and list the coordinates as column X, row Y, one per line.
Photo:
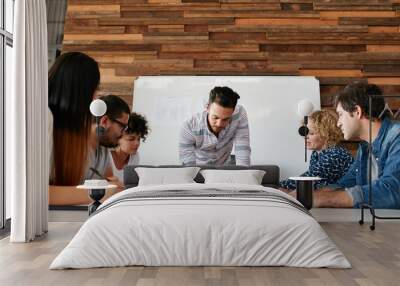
column 271, row 103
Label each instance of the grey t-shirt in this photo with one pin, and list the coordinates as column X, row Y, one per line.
column 100, row 164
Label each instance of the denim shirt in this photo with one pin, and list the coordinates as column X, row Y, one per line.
column 386, row 189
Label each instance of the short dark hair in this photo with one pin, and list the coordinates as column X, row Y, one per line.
column 116, row 106
column 137, row 124
column 224, row 96
column 358, row 93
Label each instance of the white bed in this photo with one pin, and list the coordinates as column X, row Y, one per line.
column 224, row 225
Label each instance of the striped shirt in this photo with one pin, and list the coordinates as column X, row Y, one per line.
column 199, row 146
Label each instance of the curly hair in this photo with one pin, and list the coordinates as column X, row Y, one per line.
column 137, row 124
column 325, row 122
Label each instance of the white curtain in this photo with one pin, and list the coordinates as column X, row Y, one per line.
column 26, row 119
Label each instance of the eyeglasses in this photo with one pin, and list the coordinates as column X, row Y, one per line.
column 124, row 126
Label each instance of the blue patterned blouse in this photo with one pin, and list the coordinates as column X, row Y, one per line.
column 329, row 164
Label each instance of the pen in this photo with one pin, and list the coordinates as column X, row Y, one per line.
column 97, row 173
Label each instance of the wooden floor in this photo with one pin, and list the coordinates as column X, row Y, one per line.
column 374, row 255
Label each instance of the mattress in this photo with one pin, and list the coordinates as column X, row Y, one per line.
column 201, row 225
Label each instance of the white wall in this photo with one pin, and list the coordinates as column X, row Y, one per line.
column 271, row 104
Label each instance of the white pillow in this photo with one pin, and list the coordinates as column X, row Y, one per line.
column 248, row 177
column 166, row 176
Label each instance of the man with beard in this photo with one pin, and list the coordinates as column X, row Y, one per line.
column 352, row 190
column 207, row 138
column 111, row 128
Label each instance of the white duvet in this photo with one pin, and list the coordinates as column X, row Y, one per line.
column 185, row 231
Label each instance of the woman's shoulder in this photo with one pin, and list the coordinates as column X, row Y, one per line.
column 337, row 151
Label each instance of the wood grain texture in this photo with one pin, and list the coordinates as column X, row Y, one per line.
column 331, row 39
column 337, row 41
column 375, row 259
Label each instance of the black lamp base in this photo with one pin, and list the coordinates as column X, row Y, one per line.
column 304, row 193
column 96, row 195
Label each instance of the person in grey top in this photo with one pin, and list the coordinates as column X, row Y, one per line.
column 209, row 137
column 111, row 128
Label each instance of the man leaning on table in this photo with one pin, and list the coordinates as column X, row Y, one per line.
column 209, row 137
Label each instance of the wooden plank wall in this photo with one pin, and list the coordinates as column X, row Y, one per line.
column 338, row 41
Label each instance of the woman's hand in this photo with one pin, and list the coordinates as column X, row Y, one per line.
column 287, row 191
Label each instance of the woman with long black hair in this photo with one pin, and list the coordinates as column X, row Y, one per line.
column 73, row 81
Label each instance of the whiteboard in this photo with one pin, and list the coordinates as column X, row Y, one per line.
column 271, row 105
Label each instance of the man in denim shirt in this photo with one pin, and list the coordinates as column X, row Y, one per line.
column 352, row 189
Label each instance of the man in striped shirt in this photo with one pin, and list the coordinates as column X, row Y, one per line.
column 208, row 137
